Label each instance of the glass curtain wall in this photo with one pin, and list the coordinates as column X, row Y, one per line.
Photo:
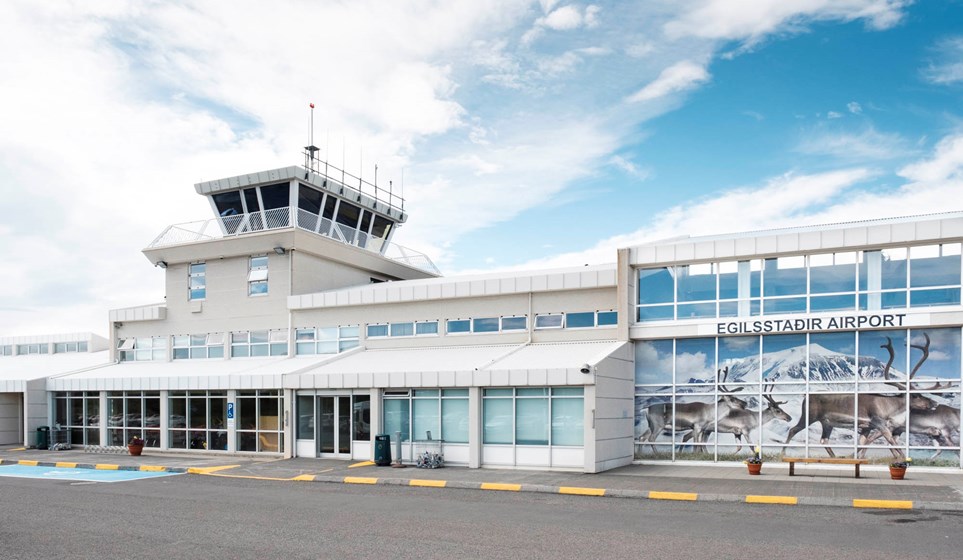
column 533, row 416
column 441, row 412
column 260, row 427
column 197, row 419
column 133, row 414
column 714, row 398
column 78, row 413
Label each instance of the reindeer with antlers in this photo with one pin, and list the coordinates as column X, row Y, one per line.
column 938, row 422
column 696, row 417
column 741, row 422
column 869, row 413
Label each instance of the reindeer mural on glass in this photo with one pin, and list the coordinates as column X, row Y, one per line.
column 695, row 417
column 937, row 422
column 871, row 412
column 741, row 422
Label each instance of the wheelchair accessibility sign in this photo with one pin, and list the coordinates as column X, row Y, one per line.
column 230, row 416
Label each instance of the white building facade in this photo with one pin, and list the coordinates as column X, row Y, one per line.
column 293, row 326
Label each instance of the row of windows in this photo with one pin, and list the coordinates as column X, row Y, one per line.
column 866, row 280
column 533, row 416
column 333, row 340
column 196, row 419
column 43, row 348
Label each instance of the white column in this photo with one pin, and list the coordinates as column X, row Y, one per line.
column 475, row 426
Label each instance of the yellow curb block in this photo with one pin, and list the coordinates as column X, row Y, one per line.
column 683, row 496
column 360, row 480
column 304, row 477
column 361, row 464
column 64, row 465
column 581, row 491
column 785, row 500
column 498, row 486
column 209, row 470
column 107, row 467
column 27, row 463
column 428, row 483
column 152, row 468
column 883, row 504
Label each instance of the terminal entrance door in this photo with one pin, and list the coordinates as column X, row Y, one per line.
column 334, row 427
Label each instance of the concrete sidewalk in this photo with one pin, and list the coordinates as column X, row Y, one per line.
column 938, row 489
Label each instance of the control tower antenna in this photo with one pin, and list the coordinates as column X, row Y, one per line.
column 310, row 149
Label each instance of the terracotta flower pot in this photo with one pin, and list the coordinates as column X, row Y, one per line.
column 897, row 473
column 754, row 468
column 135, row 450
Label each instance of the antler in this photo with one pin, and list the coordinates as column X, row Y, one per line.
column 725, row 375
column 925, row 348
column 766, row 393
column 892, row 356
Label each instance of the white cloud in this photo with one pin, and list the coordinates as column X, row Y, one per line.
column 945, row 165
column 754, row 19
column 682, row 76
column 834, row 115
column 565, row 18
column 854, row 108
column 866, row 145
column 630, row 168
column 949, row 69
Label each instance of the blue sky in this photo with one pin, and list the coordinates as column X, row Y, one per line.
column 529, row 134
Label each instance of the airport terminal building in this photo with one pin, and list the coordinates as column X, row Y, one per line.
column 293, row 326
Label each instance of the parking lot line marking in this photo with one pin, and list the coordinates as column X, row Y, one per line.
column 304, row 477
column 785, row 500
column 361, row 464
column 683, row 496
column 500, row 486
column 883, row 504
column 428, row 483
column 103, row 467
column 65, row 465
column 581, row 491
column 360, row 480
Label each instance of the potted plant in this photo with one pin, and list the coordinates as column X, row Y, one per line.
column 897, row 469
column 755, row 462
column 135, row 446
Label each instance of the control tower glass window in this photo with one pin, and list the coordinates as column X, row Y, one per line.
column 198, row 281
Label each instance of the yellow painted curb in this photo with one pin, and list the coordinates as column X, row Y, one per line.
column 581, row 491
column 304, row 477
column 497, row 486
column 209, row 470
column 28, row 463
column 64, row 465
column 360, row 480
column 683, row 496
column 785, row 500
column 883, row 504
column 428, row 483
column 361, row 464
column 107, row 467
column 152, row 468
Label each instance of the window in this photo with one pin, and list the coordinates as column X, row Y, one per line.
column 197, row 288
column 133, row 414
column 257, row 276
column 23, row 349
column 484, row 325
column 514, row 323
column 143, row 349
column 198, row 346
column 553, row 321
column 441, row 412
column 197, row 420
column 408, row 328
column 534, row 416
column 79, row 413
column 579, row 320
column 259, row 421
column 456, row 326
column 64, row 347
column 259, row 343
column 326, row 340
column 6, row 350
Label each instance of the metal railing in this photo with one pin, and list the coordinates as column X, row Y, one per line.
column 281, row 218
column 328, row 171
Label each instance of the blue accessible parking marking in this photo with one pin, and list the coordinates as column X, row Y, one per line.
column 86, row 475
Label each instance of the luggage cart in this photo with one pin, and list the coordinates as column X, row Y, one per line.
column 59, row 439
column 429, row 453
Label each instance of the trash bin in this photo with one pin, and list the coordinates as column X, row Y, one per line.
column 382, row 450
column 43, row 437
